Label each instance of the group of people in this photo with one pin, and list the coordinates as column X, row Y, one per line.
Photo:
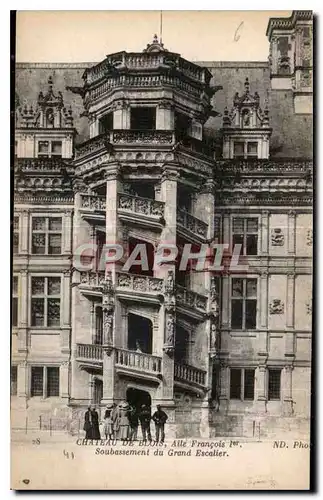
column 122, row 422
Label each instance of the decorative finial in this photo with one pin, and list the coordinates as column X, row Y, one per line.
column 247, row 86
column 155, row 40
column 50, row 81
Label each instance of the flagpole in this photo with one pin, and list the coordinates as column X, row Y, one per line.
column 161, row 27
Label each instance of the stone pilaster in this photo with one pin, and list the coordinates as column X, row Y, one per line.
column 287, row 390
column 64, row 379
column 165, row 116
column 264, row 232
column 261, row 388
column 22, row 378
column 224, row 387
column 290, row 301
column 291, row 232
column 23, row 312
column 67, row 233
column 66, row 313
column 24, row 232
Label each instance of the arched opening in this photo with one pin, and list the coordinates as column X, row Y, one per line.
column 137, row 398
column 140, row 334
column 97, row 391
column 138, row 268
column 181, row 351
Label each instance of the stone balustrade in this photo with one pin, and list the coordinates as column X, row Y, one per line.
column 190, row 299
column 93, row 202
column 138, row 283
column 255, row 165
column 138, row 360
column 92, row 278
column 91, row 352
column 190, row 374
column 157, row 137
column 142, row 206
column 41, row 164
column 192, row 223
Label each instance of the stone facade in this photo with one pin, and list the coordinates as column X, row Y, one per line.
column 166, row 151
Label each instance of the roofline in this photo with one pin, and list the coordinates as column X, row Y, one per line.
column 288, row 22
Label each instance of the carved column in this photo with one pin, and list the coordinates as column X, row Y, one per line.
column 114, row 234
column 109, row 319
column 64, row 379
column 290, row 301
column 23, row 312
column 291, row 232
column 263, row 331
column 264, row 232
column 66, row 313
column 287, row 390
column 165, row 116
column 224, row 387
column 24, row 233
column 67, row 233
column 22, row 378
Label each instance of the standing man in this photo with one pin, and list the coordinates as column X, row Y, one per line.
column 133, row 422
column 88, row 423
column 95, row 424
column 145, row 417
column 160, row 418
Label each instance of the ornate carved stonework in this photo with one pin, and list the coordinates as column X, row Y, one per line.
column 276, row 306
column 277, row 237
column 309, row 307
column 309, row 237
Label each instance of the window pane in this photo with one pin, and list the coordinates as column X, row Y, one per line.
column 13, row 381
column 252, row 225
column 249, row 384
column 251, row 314
column 251, row 288
column 252, row 148
column 15, row 243
column 38, row 244
column 37, row 312
column 252, row 244
column 237, row 287
column 54, row 244
column 238, row 225
column 43, row 147
column 37, row 380
column 55, row 224
column 14, row 311
column 236, row 314
column 15, row 285
column 16, row 223
column 217, row 227
column 52, row 381
column 98, row 326
column 235, row 383
column 238, row 240
column 39, row 223
column 238, row 149
column 57, row 148
column 37, row 285
column 53, row 312
column 274, row 377
column 54, row 286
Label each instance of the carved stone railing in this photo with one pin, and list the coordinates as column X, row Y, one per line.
column 90, row 352
column 139, row 361
column 191, row 299
column 266, row 166
column 49, row 199
column 192, row 223
column 138, row 283
column 93, row 202
column 40, row 164
column 197, row 146
column 159, row 137
column 92, row 278
column 143, row 206
column 190, row 374
column 96, row 144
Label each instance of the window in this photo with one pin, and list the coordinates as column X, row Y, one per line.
column 274, row 381
column 15, row 243
column 49, row 149
column 13, row 380
column 44, row 381
column 45, row 301
column 244, row 303
column 46, row 235
column 106, row 123
column 14, row 312
column 245, row 149
column 242, row 384
column 245, row 233
column 143, row 118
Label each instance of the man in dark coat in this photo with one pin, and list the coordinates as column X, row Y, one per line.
column 145, row 417
column 133, row 422
column 160, row 418
column 95, row 424
column 88, row 423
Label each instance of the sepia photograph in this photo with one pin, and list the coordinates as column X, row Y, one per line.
column 162, row 241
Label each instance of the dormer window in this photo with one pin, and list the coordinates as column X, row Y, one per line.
column 50, row 149
column 245, row 149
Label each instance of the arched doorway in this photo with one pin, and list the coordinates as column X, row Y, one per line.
column 137, row 398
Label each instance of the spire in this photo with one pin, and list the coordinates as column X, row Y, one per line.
column 247, row 85
column 155, row 46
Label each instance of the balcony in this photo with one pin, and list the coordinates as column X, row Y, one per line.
column 187, row 376
column 137, row 288
column 137, row 364
column 93, row 207
column 90, row 356
column 144, row 211
column 91, row 282
column 103, row 142
column 191, row 303
column 191, row 226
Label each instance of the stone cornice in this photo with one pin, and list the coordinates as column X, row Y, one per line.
column 288, row 23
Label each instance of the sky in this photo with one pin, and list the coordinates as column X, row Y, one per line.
column 88, row 36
